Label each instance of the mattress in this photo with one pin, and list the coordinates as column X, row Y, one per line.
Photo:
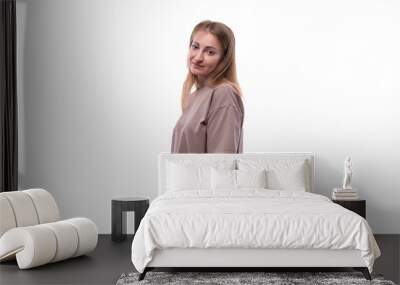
column 251, row 219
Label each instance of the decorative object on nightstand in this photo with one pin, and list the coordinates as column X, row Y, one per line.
column 357, row 206
column 119, row 207
column 348, row 173
column 346, row 192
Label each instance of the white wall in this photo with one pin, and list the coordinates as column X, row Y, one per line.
column 99, row 93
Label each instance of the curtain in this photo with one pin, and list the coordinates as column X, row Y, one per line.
column 8, row 97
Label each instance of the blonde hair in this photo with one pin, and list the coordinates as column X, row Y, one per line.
column 225, row 71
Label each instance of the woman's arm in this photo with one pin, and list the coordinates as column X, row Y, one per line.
column 224, row 128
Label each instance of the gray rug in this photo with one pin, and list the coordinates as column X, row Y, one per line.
column 270, row 278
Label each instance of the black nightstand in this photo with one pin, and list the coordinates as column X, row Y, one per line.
column 119, row 207
column 357, row 206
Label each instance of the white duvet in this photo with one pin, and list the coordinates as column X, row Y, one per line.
column 250, row 218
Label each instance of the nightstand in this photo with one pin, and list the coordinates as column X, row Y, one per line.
column 357, row 206
column 119, row 207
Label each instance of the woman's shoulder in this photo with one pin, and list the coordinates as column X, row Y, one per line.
column 225, row 88
column 225, row 94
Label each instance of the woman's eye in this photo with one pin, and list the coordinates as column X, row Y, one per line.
column 210, row 52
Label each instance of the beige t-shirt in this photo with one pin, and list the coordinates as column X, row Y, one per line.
column 211, row 123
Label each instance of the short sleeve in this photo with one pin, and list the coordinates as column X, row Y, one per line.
column 224, row 130
column 224, row 95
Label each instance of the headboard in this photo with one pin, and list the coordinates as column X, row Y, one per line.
column 164, row 157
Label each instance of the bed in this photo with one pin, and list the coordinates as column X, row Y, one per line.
column 244, row 211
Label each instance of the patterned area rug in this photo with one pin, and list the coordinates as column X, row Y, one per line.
column 270, row 278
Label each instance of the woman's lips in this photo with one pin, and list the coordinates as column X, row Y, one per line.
column 197, row 66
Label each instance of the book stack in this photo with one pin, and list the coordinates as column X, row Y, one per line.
column 344, row 194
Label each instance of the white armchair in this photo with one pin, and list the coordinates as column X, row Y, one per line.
column 31, row 230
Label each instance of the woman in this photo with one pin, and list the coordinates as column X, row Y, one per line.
column 212, row 116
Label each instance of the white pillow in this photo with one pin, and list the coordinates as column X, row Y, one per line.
column 292, row 178
column 189, row 174
column 282, row 174
column 251, row 178
column 223, row 179
column 237, row 179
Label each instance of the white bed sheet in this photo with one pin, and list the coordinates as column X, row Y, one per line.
column 250, row 218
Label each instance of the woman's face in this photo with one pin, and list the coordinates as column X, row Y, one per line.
column 205, row 53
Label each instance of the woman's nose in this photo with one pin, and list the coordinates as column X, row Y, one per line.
column 198, row 56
